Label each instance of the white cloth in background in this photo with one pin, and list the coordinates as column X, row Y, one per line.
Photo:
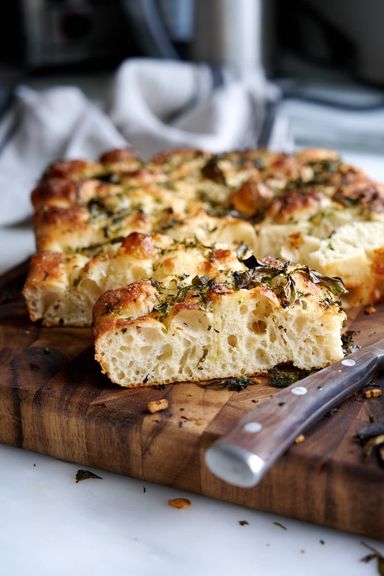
column 159, row 105
column 154, row 105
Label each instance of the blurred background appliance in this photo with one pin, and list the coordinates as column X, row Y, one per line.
column 294, row 38
column 341, row 35
column 37, row 34
column 214, row 31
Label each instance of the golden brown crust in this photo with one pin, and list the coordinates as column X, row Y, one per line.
column 114, row 308
column 365, row 193
column 294, row 205
column 251, row 197
column 54, row 192
column 274, row 188
column 138, row 245
column 118, row 155
column 178, row 155
column 72, row 169
column 282, row 284
column 45, row 266
column 90, row 209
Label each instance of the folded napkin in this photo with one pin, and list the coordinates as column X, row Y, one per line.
column 154, row 105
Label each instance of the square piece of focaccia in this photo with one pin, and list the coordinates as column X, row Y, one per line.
column 307, row 207
column 63, row 287
column 231, row 323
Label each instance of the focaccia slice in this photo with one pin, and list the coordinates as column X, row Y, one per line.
column 62, row 288
column 216, row 326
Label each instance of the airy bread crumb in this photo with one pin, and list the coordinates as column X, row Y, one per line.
column 229, row 324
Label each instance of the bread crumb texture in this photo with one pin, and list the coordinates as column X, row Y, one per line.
column 235, row 323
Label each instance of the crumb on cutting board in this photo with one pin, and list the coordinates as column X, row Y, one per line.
column 370, row 310
column 372, row 393
column 157, row 405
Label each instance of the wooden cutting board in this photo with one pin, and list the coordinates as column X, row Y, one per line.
column 54, row 400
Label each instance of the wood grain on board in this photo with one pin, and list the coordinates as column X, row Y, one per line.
column 54, row 400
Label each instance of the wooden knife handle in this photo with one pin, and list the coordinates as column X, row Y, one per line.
column 243, row 455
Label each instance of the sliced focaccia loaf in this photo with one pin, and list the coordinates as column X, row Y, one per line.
column 306, row 207
column 225, row 324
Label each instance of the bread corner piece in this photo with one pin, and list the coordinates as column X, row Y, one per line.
column 231, row 324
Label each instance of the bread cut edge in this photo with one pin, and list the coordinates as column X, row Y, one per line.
column 241, row 333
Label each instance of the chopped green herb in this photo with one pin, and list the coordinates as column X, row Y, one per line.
column 85, row 475
column 281, row 378
column 280, row 525
column 348, row 344
column 232, row 384
column 332, row 412
column 204, row 355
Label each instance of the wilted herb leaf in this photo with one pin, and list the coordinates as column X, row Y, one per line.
column 233, row 384
column 347, row 342
column 212, row 171
column 281, row 378
column 252, row 262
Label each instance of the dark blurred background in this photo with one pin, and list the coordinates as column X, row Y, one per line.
column 289, row 38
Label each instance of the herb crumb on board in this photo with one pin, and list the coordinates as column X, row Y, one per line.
column 280, row 525
column 348, row 342
column 374, row 555
column 281, row 377
column 370, row 310
column 86, row 475
column 243, row 522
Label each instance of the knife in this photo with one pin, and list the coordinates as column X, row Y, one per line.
column 244, row 454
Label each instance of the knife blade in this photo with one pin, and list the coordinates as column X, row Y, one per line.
column 246, row 452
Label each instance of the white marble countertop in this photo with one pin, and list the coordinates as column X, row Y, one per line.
column 52, row 526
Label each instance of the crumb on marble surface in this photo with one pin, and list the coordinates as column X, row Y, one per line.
column 179, row 503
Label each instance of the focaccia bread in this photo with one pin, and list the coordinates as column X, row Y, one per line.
column 63, row 287
column 307, row 207
column 218, row 325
